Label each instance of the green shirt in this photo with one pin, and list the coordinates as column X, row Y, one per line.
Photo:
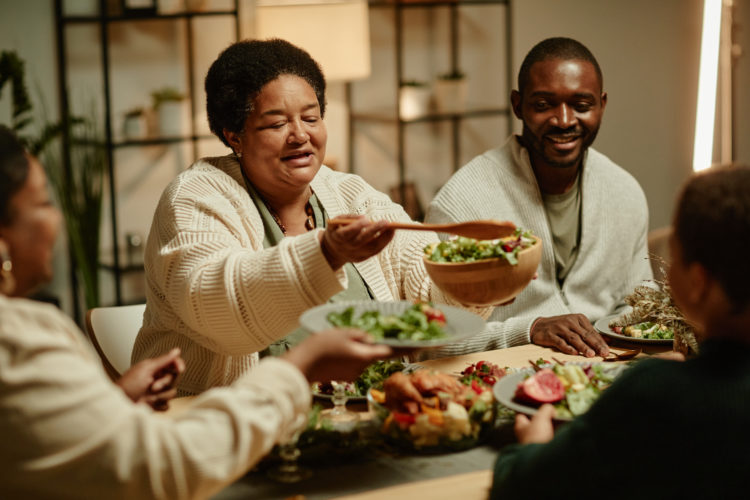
column 357, row 289
column 564, row 215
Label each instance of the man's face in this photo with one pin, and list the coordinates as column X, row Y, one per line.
column 561, row 109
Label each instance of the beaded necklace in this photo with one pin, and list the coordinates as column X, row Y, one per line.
column 309, row 222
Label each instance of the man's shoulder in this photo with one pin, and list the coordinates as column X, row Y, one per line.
column 480, row 171
column 603, row 165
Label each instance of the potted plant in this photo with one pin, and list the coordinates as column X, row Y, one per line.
column 451, row 92
column 76, row 172
column 414, row 99
column 169, row 109
column 134, row 124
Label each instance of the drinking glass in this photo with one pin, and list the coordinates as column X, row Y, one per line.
column 339, row 418
column 289, row 471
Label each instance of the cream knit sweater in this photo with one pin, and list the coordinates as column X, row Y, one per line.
column 215, row 292
column 69, row 432
column 612, row 259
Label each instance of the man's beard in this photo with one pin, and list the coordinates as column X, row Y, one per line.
column 537, row 147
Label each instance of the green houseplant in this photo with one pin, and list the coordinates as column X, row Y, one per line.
column 75, row 158
column 168, row 106
column 451, row 92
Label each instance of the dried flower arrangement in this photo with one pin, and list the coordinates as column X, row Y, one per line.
column 656, row 305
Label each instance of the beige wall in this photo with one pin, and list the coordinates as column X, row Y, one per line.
column 742, row 85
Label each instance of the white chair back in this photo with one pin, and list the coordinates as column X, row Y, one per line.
column 113, row 331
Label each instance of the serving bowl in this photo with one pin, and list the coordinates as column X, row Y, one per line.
column 488, row 281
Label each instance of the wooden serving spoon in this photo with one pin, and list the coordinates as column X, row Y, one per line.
column 479, row 229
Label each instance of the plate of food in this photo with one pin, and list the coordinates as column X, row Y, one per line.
column 430, row 411
column 643, row 332
column 571, row 388
column 372, row 377
column 400, row 324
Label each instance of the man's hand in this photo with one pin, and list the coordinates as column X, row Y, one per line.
column 152, row 381
column 354, row 242
column 336, row 354
column 537, row 430
column 569, row 333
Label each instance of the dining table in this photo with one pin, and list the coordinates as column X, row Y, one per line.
column 369, row 473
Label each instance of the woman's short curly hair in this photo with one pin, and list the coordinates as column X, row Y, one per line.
column 237, row 76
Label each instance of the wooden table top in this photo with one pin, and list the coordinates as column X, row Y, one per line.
column 459, row 481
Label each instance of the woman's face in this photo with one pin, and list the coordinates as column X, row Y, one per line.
column 284, row 140
column 32, row 231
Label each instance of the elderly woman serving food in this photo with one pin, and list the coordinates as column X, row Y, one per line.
column 239, row 246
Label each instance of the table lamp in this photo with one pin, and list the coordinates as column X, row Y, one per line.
column 336, row 33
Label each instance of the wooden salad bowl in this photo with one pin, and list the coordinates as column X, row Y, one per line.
column 488, row 281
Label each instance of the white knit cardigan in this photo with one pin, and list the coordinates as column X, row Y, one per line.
column 612, row 258
column 215, row 292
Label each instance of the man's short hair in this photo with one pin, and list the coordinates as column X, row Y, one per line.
column 556, row 48
column 712, row 224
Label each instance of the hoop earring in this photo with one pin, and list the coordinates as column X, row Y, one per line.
column 7, row 281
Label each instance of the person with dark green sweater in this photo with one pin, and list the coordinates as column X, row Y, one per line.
column 666, row 428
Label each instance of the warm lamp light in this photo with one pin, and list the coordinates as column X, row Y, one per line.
column 336, row 33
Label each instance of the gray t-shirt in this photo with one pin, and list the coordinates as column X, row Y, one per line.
column 564, row 215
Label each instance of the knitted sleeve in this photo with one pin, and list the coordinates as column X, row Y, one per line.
column 206, row 265
column 75, row 431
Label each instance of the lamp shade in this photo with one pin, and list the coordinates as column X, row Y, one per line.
column 336, row 33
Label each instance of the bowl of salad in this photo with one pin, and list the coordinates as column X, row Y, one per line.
column 401, row 324
column 484, row 272
column 429, row 411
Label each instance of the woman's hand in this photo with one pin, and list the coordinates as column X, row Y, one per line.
column 354, row 242
column 336, row 354
column 537, row 430
column 152, row 381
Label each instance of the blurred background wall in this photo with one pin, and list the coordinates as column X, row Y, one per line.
column 648, row 51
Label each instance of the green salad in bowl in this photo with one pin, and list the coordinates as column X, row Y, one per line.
column 463, row 249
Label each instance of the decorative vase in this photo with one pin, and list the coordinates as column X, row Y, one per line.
column 170, row 6
column 414, row 101
column 170, row 118
column 134, row 127
column 450, row 95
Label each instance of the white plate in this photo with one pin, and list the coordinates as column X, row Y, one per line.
column 602, row 325
column 504, row 389
column 459, row 324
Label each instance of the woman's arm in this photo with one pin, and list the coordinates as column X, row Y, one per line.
column 207, row 270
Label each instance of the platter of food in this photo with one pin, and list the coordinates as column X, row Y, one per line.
column 644, row 332
column 430, row 411
column 400, row 324
column 572, row 388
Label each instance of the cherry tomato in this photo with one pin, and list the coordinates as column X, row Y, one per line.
column 476, row 387
column 434, row 315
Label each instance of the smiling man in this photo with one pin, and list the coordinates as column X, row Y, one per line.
column 590, row 214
